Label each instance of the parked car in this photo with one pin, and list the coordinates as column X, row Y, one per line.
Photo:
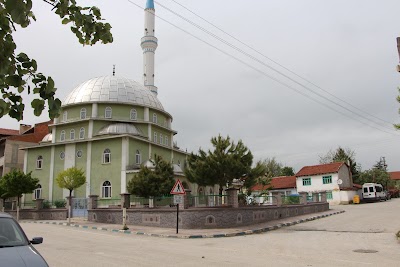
column 372, row 191
column 15, row 248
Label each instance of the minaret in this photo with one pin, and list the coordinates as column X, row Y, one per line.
column 149, row 46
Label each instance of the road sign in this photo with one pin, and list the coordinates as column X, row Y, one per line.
column 178, row 199
column 178, row 189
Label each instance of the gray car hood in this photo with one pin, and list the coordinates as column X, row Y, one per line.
column 21, row 256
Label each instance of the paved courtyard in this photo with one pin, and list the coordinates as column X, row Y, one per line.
column 339, row 240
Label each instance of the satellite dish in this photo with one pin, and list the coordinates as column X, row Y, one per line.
column 339, row 181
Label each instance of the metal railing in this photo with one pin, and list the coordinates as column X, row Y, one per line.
column 290, row 200
column 207, row 200
column 108, row 202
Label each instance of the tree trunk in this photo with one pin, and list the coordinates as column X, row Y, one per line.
column 69, row 206
column 18, row 208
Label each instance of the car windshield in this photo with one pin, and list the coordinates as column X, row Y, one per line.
column 11, row 234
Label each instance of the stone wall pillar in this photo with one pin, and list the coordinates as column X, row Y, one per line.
column 315, row 197
column 92, row 202
column 1, row 204
column 232, row 197
column 303, row 198
column 277, row 198
column 39, row 203
column 186, row 199
column 323, row 197
column 125, row 200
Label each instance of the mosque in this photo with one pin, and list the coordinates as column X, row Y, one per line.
column 109, row 126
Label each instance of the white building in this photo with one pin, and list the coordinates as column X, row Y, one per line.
column 334, row 178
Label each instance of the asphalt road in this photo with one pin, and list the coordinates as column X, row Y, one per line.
column 339, row 240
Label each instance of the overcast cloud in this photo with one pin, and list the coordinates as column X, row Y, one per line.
column 346, row 47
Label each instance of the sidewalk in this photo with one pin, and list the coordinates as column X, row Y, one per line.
column 192, row 233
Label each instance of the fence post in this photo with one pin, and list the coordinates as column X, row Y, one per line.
column 186, row 199
column 39, row 203
column 125, row 200
column 233, row 197
column 92, row 202
column 277, row 198
column 323, row 196
column 303, row 198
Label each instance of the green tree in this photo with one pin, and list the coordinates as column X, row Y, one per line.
column 343, row 154
column 3, row 193
column 287, row 171
column 153, row 183
column 19, row 73
column 228, row 161
column 375, row 175
column 16, row 183
column 71, row 179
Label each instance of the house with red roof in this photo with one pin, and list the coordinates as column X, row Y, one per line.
column 395, row 176
column 333, row 178
column 284, row 184
column 11, row 156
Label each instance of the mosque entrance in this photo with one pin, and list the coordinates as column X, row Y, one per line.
column 79, row 207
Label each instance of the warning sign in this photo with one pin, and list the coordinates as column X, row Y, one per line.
column 178, row 189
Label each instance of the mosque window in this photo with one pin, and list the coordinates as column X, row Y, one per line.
column 179, row 163
column 62, row 155
column 133, row 114
column 65, row 116
column 166, row 141
column 62, row 135
column 106, row 156
column 154, row 117
column 138, row 157
column 72, row 134
column 82, row 133
column 106, row 190
column 108, row 113
column 83, row 113
column 37, row 194
column 161, row 139
column 155, row 137
column 39, row 162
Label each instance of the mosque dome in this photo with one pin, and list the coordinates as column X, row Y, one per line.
column 108, row 89
column 120, row 128
column 48, row 137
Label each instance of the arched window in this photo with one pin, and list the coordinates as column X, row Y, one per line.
column 65, row 116
column 37, row 194
column 106, row 190
column 155, row 137
column 72, row 134
column 83, row 113
column 39, row 162
column 106, row 156
column 179, row 163
column 62, row 135
column 133, row 114
column 166, row 141
column 161, row 139
column 138, row 157
column 108, row 113
column 154, row 117
column 82, row 133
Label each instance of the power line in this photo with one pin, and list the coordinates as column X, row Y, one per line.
column 270, row 67
column 277, row 63
column 269, row 76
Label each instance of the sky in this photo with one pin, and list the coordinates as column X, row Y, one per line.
column 346, row 49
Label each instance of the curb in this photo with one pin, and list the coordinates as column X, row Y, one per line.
column 246, row 232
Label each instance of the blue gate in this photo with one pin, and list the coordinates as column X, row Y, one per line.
column 79, row 207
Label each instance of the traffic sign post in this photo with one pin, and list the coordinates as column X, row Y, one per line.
column 178, row 191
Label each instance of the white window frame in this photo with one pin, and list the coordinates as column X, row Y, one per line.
column 65, row 116
column 133, row 114
column 166, row 141
column 37, row 193
column 154, row 118
column 107, row 156
column 106, row 189
column 138, row 157
column 39, row 162
column 82, row 133
column 83, row 113
column 108, row 113
column 62, row 136
column 72, row 134
column 161, row 139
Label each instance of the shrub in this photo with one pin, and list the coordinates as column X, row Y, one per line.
column 60, row 203
column 46, row 204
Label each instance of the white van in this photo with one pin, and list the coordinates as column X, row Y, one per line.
column 372, row 191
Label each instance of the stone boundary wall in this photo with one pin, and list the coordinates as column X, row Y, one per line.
column 46, row 214
column 203, row 218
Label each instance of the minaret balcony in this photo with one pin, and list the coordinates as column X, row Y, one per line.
column 149, row 42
